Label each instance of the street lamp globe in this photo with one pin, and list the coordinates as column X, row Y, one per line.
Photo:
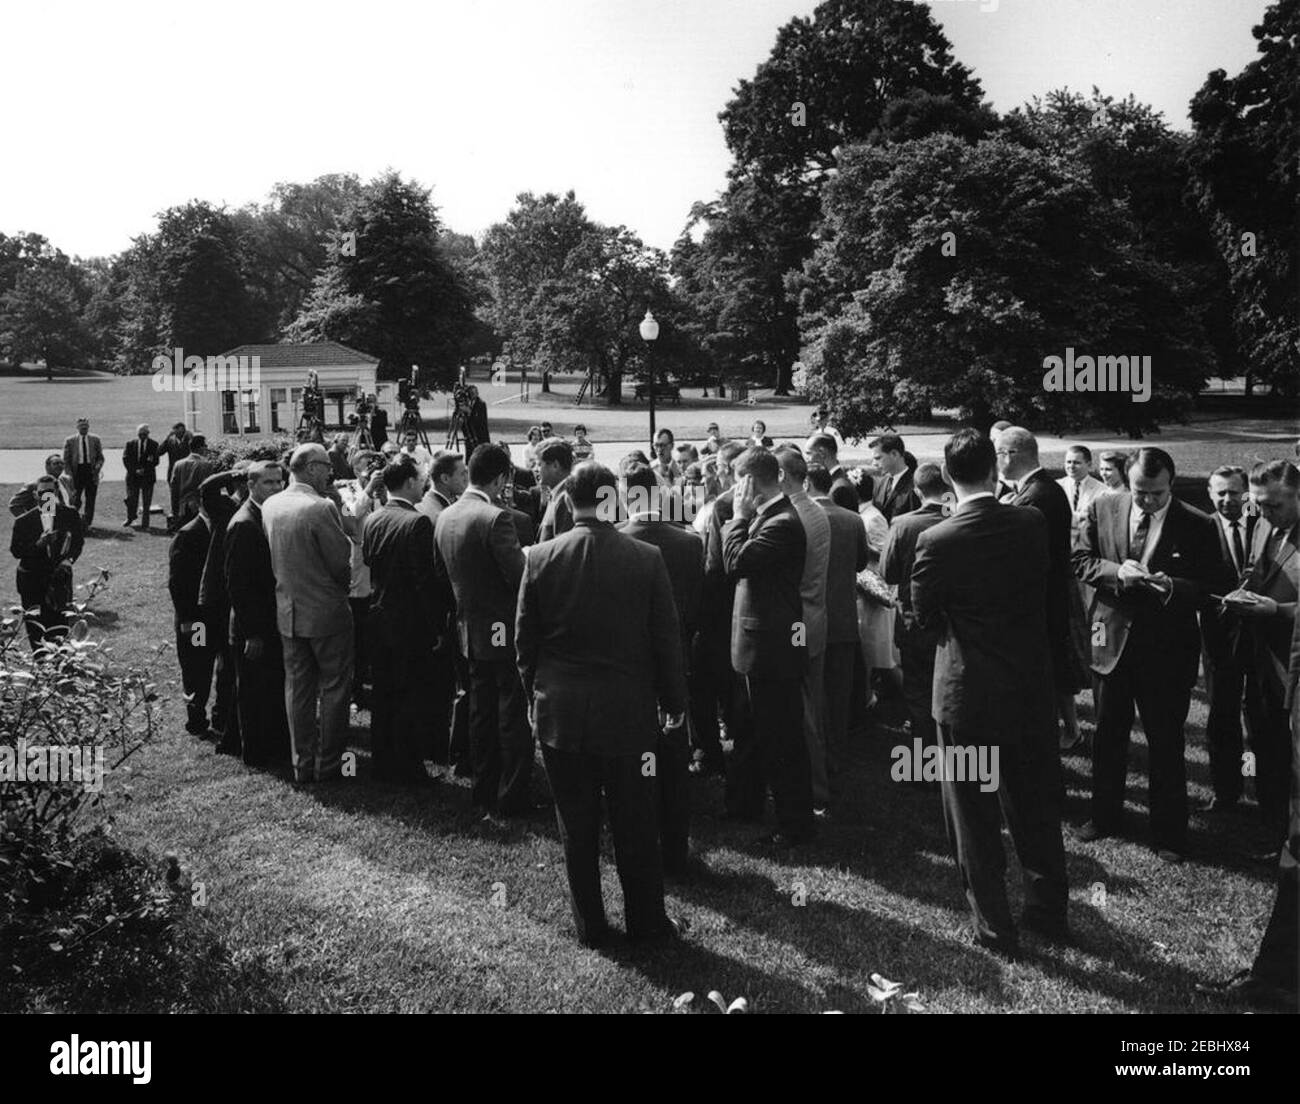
column 649, row 327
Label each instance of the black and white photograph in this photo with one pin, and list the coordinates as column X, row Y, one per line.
column 686, row 507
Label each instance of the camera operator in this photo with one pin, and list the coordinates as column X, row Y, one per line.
column 378, row 422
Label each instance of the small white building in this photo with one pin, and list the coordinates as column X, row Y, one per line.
column 274, row 405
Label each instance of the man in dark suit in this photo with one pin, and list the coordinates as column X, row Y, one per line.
column 254, row 635
column 893, row 492
column 448, row 479
column 683, row 555
column 1221, row 643
column 476, row 422
column 1266, row 606
column 823, row 450
column 194, row 651
column 916, row 646
column 1017, row 451
column 763, row 549
column 83, row 458
column 599, row 654
column 849, row 554
column 478, row 554
column 221, row 495
column 24, row 498
column 140, row 459
column 1151, row 560
column 980, row 580
column 175, row 446
column 46, row 540
column 555, row 458
column 407, row 617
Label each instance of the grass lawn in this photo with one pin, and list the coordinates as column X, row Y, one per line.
column 361, row 897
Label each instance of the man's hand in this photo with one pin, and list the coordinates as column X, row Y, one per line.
column 674, row 720
column 254, row 647
column 745, row 504
column 1249, row 604
column 1132, row 573
column 375, row 481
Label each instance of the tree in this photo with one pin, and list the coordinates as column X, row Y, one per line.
column 949, row 271
column 40, row 317
column 1244, row 162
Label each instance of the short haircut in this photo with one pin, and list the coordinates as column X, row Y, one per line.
column 363, row 456
column 54, row 456
column 259, row 468
column 1120, row 460
column 586, row 482
column 969, row 456
column 1150, row 462
column 759, row 424
column 1228, row 471
column 694, row 473
column 929, row 480
column 556, row 450
column 488, row 462
column 728, row 451
column 636, row 456
column 640, row 475
column 665, row 432
column 1081, row 450
column 1272, row 471
column 792, row 463
column 999, row 426
column 888, row 442
column 819, row 478
column 1021, row 438
column 825, row 442
column 400, row 472
column 579, row 429
column 444, row 464
column 198, row 441
column 759, row 463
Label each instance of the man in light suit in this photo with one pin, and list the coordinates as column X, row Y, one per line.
column 187, row 476
column 478, row 554
column 849, row 554
column 683, row 555
column 448, row 479
column 812, row 593
column 763, row 550
column 1266, row 606
column 1152, row 561
column 140, row 459
column 916, row 646
column 254, row 632
column 1221, row 644
column 1079, row 485
column 893, row 492
column 599, row 655
column 46, row 541
column 83, row 458
column 980, row 582
column 311, row 557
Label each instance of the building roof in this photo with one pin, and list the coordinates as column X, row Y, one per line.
column 311, row 354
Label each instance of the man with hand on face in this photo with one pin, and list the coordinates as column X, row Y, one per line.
column 254, row 635
column 1152, row 561
column 46, row 541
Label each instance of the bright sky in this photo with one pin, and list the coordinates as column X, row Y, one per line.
column 115, row 111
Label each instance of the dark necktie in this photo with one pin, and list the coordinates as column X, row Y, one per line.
column 1238, row 551
column 1074, row 501
column 1139, row 544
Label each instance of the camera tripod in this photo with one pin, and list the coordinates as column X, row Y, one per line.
column 309, row 428
column 361, row 436
column 411, row 422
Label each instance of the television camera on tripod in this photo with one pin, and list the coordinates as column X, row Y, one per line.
column 310, row 421
column 408, row 394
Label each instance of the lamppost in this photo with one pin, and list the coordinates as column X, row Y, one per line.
column 649, row 334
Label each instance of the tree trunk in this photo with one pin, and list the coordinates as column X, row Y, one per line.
column 546, row 383
column 614, row 384
column 784, row 376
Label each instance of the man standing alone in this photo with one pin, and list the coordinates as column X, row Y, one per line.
column 140, row 459
column 83, row 458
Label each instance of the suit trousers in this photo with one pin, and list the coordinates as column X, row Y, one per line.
column 139, row 494
column 1270, row 740
column 711, row 685
column 317, row 673
column 1224, row 685
column 34, row 592
column 500, row 741
column 443, row 715
column 259, row 696
column 196, row 662
column 1028, row 797
column 578, row 779
column 399, row 713
column 225, row 707
column 839, row 694
column 362, row 673
column 770, row 750
column 672, row 770
column 84, row 489
column 918, row 689
column 814, row 728
column 1162, row 700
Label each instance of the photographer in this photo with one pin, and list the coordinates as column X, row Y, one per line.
column 378, row 423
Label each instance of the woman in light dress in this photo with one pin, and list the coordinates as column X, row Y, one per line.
column 875, row 622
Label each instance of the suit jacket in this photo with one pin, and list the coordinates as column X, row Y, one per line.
column 432, row 504
column 312, row 560
column 817, row 554
column 899, row 500
column 185, row 560
column 141, row 460
column 896, row 562
column 24, row 498
column 1221, row 630
column 599, row 645
column 848, row 555
column 1167, row 633
column 174, row 448
column 187, row 476
column 1041, row 491
column 23, row 541
column 559, row 513
column 980, row 580
column 220, row 508
column 843, row 492
column 72, row 453
column 1280, row 580
column 1090, row 487
column 477, row 552
column 683, row 554
column 718, row 599
column 250, row 579
column 765, row 555
column 408, row 609
column 525, row 529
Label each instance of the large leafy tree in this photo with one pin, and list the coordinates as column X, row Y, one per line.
column 1246, row 161
column 389, row 288
column 948, row 271
column 41, row 316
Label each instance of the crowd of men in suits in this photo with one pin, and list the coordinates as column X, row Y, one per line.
column 627, row 620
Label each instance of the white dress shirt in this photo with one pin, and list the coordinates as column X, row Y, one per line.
column 1226, row 526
